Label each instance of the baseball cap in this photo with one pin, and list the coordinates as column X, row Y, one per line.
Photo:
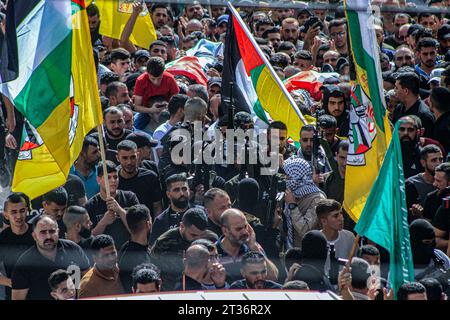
column 305, row 10
column 215, row 81
column 436, row 80
column 141, row 139
column 223, row 18
column 141, row 54
column 413, row 28
column 444, row 32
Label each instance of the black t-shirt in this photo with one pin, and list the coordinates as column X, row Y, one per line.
column 167, row 255
column 150, row 165
column 75, row 189
column 131, row 255
column 96, row 207
column 11, row 248
column 33, row 269
column 145, row 185
column 442, row 220
column 167, row 220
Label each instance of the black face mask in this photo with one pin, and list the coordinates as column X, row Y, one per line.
column 421, row 230
column 85, row 233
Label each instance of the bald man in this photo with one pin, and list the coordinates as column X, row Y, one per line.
column 34, row 267
column 238, row 239
column 196, row 267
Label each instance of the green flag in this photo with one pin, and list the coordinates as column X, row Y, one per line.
column 384, row 218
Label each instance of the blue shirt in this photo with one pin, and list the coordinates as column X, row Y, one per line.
column 90, row 182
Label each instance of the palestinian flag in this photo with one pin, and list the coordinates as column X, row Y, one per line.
column 56, row 91
column 189, row 67
column 310, row 81
column 256, row 87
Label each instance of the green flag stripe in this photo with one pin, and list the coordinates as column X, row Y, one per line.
column 366, row 62
column 258, row 108
column 48, row 86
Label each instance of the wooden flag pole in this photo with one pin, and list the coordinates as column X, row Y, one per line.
column 352, row 253
column 103, row 155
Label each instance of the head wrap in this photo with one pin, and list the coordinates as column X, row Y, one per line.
column 300, row 174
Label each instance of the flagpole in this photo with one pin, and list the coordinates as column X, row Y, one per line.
column 353, row 251
column 103, row 155
column 264, row 58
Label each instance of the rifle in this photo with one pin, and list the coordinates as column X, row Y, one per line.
column 318, row 135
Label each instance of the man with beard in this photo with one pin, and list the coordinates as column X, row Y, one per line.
column 403, row 56
column 239, row 238
column 434, row 199
column 167, row 252
column 84, row 166
column 407, row 87
column 421, row 184
column 429, row 262
column 248, row 201
column 335, row 182
column 196, row 267
column 194, row 11
column 400, row 19
column 17, row 238
column 115, row 128
column 254, row 272
column 306, row 152
column 103, row 278
column 34, row 267
column 334, row 104
column 443, row 36
column 216, row 201
column 160, row 15
column 178, row 193
column 108, row 214
column 440, row 106
column 94, row 22
column 117, row 93
column 290, row 32
column 409, row 140
column 427, row 49
column 136, row 250
column 79, row 227
column 138, row 180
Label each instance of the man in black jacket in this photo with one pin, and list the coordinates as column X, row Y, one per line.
column 440, row 105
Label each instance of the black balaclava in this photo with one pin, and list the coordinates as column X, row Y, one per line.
column 315, row 249
column 248, row 195
column 422, row 253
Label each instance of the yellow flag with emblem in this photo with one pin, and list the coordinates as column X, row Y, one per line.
column 114, row 15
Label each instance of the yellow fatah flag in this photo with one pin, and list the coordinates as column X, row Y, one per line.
column 59, row 98
column 114, row 15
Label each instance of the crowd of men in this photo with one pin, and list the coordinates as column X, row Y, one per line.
column 165, row 226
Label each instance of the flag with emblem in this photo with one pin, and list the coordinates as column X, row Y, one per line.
column 114, row 15
column 369, row 133
column 56, row 91
column 257, row 89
